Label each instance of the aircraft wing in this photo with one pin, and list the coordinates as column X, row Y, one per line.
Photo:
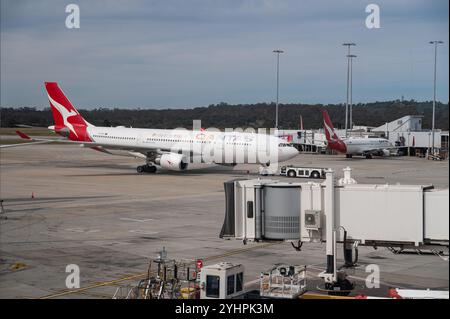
column 23, row 144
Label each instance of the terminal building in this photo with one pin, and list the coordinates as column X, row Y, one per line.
column 405, row 133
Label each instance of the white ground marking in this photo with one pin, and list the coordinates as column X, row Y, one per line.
column 136, row 220
column 82, row 230
column 144, row 232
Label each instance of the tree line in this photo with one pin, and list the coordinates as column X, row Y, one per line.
column 225, row 115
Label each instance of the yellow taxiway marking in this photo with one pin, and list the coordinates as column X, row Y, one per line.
column 136, row 276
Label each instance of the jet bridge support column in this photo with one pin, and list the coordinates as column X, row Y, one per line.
column 335, row 282
column 330, row 274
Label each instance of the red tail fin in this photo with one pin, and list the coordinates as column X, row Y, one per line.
column 330, row 133
column 67, row 119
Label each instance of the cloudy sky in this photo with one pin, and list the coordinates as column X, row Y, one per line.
column 170, row 53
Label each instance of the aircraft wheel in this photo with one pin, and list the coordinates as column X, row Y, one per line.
column 348, row 155
column 150, row 169
column 368, row 156
column 140, row 169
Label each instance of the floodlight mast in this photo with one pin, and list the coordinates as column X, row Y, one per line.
column 278, row 52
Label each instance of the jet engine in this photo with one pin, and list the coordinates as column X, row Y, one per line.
column 172, row 161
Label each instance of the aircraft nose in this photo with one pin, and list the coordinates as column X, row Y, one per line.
column 292, row 152
column 285, row 153
column 288, row 153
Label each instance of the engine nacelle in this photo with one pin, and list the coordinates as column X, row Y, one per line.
column 172, row 161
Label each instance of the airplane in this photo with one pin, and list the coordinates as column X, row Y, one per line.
column 366, row 147
column 171, row 149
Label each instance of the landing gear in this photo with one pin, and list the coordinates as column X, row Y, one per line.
column 151, row 169
column 146, row 169
column 368, row 156
column 348, row 155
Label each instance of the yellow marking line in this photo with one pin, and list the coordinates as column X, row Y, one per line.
column 101, row 284
column 136, row 276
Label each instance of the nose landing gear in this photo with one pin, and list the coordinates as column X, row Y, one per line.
column 146, row 169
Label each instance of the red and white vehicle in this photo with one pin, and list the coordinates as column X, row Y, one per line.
column 366, row 147
column 169, row 149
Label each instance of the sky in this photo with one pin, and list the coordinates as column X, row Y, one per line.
column 182, row 54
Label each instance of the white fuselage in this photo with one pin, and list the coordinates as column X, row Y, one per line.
column 365, row 145
column 207, row 146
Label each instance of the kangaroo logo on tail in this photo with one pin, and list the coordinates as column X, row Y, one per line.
column 65, row 115
column 334, row 142
column 328, row 126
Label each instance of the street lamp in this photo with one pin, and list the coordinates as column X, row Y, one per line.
column 348, row 45
column 434, row 92
column 278, row 51
column 429, row 144
column 409, row 145
column 351, row 56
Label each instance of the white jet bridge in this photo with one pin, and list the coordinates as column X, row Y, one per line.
column 405, row 216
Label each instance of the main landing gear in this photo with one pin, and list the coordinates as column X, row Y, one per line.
column 146, row 169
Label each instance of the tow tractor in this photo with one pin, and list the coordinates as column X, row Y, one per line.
column 306, row 172
column 295, row 171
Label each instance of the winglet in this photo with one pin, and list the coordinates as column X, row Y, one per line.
column 23, row 135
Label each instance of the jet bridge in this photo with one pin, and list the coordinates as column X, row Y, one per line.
column 405, row 216
column 372, row 214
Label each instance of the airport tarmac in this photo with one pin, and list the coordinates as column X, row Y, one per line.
column 95, row 211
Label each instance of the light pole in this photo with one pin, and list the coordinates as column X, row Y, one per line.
column 278, row 51
column 434, row 92
column 348, row 45
column 409, row 145
column 351, row 56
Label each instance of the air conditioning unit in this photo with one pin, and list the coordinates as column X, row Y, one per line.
column 312, row 219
